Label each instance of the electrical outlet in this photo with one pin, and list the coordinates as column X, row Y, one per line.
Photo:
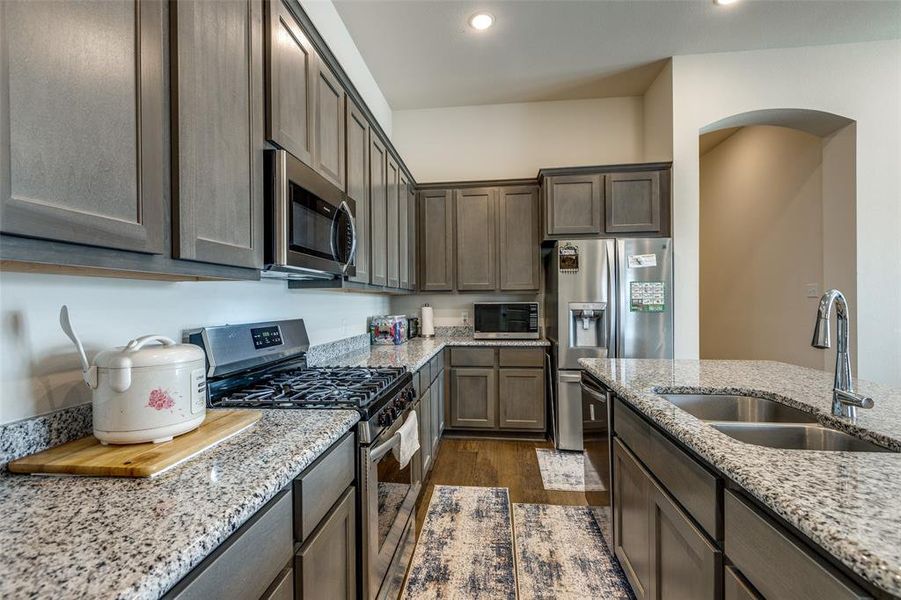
column 813, row 290
column 465, row 317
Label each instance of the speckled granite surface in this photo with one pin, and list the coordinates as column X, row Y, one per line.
column 846, row 502
column 21, row 438
column 417, row 352
column 72, row 537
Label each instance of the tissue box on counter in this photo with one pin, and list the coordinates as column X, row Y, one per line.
column 388, row 329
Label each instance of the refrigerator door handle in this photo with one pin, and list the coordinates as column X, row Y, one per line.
column 613, row 302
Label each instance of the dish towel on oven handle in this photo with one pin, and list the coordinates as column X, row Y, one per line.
column 409, row 440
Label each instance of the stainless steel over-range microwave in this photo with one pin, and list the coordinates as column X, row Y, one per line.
column 310, row 229
column 506, row 320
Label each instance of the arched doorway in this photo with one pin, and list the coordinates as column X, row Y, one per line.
column 777, row 228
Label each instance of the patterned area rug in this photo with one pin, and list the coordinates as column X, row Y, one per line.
column 465, row 548
column 565, row 471
column 561, row 555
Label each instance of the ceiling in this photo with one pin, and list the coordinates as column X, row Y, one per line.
column 423, row 54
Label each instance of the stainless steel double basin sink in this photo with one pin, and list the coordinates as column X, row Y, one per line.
column 765, row 422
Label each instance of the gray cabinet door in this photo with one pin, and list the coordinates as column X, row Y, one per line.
column 412, row 237
column 436, row 243
column 476, row 243
column 403, row 233
column 436, row 395
column 291, row 70
column 325, row 566
column 217, row 105
column 473, row 398
column 521, row 398
column 328, row 126
column 393, row 175
column 631, row 523
column 425, row 431
column 378, row 212
column 684, row 565
column 573, row 204
column 82, row 138
column 519, row 247
column 633, row 202
column 357, row 172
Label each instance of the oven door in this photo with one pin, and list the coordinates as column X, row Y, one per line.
column 389, row 502
column 312, row 225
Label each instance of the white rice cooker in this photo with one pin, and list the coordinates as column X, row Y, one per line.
column 149, row 390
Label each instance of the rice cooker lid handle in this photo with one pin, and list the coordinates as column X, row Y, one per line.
column 138, row 343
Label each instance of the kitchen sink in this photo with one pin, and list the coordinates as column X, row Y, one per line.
column 796, row 437
column 729, row 407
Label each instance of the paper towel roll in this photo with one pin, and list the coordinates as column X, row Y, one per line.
column 428, row 322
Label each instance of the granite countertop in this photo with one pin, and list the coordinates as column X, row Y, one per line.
column 846, row 502
column 418, row 351
column 79, row 537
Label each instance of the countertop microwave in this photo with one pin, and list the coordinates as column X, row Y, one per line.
column 506, row 321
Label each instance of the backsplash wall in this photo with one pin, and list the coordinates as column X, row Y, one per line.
column 449, row 308
column 40, row 373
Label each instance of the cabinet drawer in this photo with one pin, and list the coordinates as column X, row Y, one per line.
column 321, row 485
column 521, row 357
column 325, row 566
column 774, row 562
column 245, row 564
column 472, row 357
column 736, row 588
column 417, row 383
column 425, row 376
column 436, row 365
column 693, row 486
column 632, row 430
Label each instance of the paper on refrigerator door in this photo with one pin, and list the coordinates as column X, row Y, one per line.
column 640, row 261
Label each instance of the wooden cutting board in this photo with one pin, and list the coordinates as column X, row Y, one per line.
column 88, row 456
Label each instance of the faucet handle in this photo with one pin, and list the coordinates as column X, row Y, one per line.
column 853, row 399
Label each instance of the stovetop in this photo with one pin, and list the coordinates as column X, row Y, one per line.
column 362, row 388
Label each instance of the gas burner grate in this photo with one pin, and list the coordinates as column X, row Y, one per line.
column 315, row 387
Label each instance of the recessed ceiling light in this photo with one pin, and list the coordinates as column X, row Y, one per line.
column 724, row 2
column 482, row 21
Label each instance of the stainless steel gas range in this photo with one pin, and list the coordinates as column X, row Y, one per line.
column 263, row 365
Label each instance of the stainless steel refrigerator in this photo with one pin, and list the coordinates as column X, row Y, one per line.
column 603, row 299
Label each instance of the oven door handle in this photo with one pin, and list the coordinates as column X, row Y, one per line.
column 379, row 452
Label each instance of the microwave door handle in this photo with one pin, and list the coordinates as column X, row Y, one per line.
column 343, row 207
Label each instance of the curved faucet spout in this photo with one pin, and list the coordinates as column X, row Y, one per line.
column 843, row 387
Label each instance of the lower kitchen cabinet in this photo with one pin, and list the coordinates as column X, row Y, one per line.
column 437, row 398
column 521, row 398
column 424, row 416
column 631, row 519
column 325, row 566
column 735, row 587
column 473, row 398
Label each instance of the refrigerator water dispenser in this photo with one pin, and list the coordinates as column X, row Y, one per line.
column 588, row 324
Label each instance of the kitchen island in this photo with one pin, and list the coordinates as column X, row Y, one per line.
column 92, row 537
column 844, row 503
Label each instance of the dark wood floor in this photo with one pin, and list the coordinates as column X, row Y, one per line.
column 492, row 463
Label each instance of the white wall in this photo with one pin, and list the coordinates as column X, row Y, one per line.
column 332, row 29
column 501, row 141
column 39, row 370
column 859, row 81
column 761, row 245
column 657, row 107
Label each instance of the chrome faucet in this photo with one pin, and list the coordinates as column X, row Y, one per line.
column 844, row 401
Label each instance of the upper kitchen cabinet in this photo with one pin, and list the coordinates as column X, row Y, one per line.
column 436, row 240
column 291, row 71
column 357, row 172
column 519, row 252
column 638, row 202
column 573, row 205
column 328, row 126
column 403, row 245
column 378, row 212
column 393, row 234
column 82, row 146
column 218, row 120
column 476, row 242
column 412, row 238
column 615, row 200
